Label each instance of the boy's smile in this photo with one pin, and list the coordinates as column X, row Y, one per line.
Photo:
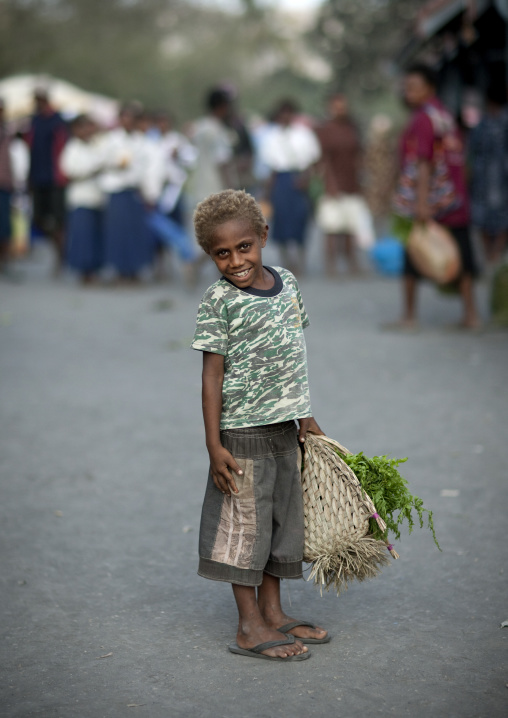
column 236, row 251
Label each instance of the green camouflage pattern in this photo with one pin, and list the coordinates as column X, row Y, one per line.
column 265, row 358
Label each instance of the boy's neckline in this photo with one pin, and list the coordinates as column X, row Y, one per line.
column 272, row 292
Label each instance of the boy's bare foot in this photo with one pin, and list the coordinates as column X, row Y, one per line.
column 253, row 634
column 276, row 619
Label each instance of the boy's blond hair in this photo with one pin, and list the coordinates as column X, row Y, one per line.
column 223, row 207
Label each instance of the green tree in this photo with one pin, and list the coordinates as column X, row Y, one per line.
column 360, row 38
column 166, row 53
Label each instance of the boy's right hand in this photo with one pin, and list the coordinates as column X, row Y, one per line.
column 221, row 461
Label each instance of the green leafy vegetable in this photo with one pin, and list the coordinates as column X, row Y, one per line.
column 380, row 479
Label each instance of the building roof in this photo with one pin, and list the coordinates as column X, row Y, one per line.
column 18, row 91
column 435, row 15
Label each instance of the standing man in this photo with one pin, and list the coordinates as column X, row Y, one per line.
column 339, row 212
column 213, row 140
column 431, row 124
column 488, row 155
column 47, row 139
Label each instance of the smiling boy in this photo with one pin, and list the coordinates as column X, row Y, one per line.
column 250, row 330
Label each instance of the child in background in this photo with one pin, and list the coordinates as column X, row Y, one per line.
column 128, row 245
column 81, row 162
column 180, row 156
column 250, row 330
column 155, row 177
column 289, row 149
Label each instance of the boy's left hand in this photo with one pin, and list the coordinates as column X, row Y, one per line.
column 308, row 424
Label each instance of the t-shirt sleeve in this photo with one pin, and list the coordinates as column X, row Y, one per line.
column 303, row 312
column 211, row 334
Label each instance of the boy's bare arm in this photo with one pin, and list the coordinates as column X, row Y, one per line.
column 221, row 461
column 308, row 424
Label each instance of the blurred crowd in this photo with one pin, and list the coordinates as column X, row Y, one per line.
column 116, row 202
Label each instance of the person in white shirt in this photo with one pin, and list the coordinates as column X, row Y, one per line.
column 81, row 162
column 14, row 166
column 20, row 200
column 157, row 169
column 289, row 148
column 128, row 245
column 180, row 157
column 20, row 158
column 151, row 170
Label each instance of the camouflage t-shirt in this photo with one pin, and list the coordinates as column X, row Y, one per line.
column 260, row 335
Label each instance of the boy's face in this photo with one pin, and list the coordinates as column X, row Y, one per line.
column 236, row 251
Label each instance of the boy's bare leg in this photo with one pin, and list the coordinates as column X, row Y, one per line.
column 252, row 629
column 272, row 613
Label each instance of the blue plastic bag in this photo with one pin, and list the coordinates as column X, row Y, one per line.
column 387, row 255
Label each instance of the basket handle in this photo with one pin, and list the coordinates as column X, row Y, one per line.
column 332, row 442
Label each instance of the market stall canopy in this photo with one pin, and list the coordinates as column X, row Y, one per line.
column 436, row 14
column 17, row 92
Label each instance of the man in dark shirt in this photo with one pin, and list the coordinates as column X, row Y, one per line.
column 48, row 135
column 340, row 164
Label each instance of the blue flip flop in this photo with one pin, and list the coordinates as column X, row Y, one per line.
column 257, row 651
column 294, row 624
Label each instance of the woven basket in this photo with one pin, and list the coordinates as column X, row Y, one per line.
column 336, row 516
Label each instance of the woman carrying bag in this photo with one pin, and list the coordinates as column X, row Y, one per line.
column 432, row 186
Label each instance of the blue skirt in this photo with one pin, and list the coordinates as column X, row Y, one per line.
column 128, row 245
column 84, row 240
column 291, row 209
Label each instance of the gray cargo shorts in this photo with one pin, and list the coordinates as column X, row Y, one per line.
column 260, row 529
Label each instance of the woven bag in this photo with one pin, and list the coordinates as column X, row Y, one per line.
column 434, row 252
column 336, row 518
